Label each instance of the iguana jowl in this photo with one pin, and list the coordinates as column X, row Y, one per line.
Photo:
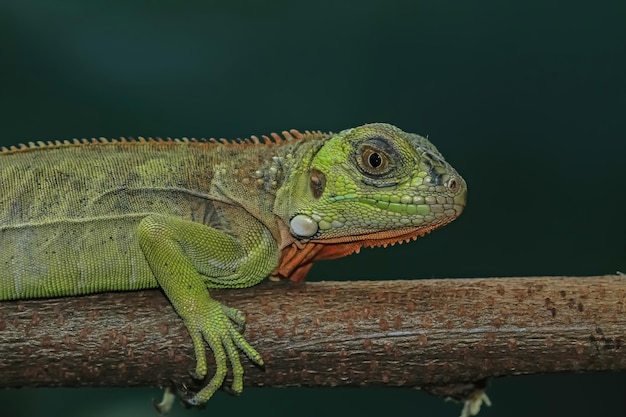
column 184, row 215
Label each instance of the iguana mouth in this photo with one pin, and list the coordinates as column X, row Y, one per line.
column 296, row 259
column 385, row 237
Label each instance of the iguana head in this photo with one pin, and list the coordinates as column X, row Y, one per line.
column 369, row 186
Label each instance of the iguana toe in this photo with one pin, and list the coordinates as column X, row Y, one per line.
column 166, row 403
column 237, row 316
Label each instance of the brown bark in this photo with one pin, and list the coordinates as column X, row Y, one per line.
column 421, row 333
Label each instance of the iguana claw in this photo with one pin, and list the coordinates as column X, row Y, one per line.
column 195, row 376
column 187, row 398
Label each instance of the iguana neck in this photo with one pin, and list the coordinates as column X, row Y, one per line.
column 263, row 178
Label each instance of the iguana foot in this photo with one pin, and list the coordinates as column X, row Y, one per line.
column 216, row 326
column 166, row 403
column 473, row 403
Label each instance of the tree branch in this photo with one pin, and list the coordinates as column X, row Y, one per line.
column 421, row 333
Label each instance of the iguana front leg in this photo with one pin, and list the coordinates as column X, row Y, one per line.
column 186, row 258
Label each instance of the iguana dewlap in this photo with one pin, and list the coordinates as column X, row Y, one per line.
column 184, row 215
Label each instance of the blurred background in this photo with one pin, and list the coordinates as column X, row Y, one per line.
column 526, row 99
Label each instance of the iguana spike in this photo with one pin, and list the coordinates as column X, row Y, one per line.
column 271, row 139
column 296, row 134
column 277, row 138
column 287, row 135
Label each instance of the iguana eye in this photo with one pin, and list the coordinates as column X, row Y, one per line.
column 373, row 161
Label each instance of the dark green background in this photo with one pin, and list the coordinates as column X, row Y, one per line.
column 527, row 99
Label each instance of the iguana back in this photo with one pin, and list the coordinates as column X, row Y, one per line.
column 69, row 212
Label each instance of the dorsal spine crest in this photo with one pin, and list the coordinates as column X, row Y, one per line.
column 273, row 139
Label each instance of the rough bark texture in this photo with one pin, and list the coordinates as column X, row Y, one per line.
column 422, row 333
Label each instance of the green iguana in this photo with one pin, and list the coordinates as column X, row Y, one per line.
column 184, row 215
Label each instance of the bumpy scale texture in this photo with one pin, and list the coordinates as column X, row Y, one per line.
column 184, row 215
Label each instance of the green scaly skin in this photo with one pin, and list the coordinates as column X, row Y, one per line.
column 183, row 215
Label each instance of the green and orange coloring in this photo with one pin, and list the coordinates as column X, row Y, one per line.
column 185, row 215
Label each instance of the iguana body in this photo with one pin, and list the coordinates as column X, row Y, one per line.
column 185, row 215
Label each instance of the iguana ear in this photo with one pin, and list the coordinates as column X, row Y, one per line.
column 317, row 182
